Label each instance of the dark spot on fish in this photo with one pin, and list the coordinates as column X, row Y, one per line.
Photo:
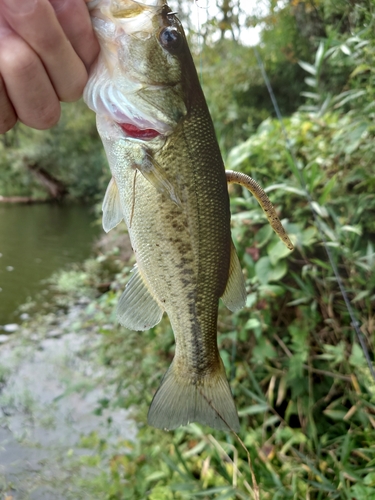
column 184, row 262
column 186, row 271
column 192, row 310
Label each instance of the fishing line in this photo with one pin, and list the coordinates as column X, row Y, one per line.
column 354, row 322
column 200, row 40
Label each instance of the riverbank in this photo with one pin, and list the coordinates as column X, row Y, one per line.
column 52, row 388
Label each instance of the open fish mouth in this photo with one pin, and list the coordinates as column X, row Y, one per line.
column 137, row 133
column 104, row 97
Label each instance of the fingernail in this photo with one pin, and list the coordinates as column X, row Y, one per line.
column 5, row 29
column 58, row 4
column 20, row 6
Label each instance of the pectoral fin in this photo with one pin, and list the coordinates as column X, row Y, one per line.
column 137, row 308
column 263, row 200
column 112, row 213
column 157, row 176
column 234, row 296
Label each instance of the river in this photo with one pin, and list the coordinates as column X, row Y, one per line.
column 35, row 241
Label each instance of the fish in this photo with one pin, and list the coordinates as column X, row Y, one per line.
column 169, row 186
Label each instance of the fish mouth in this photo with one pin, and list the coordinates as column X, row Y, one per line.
column 135, row 132
column 104, row 97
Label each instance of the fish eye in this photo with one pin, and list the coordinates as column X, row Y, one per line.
column 170, row 39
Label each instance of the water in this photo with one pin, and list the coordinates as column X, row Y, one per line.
column 35, row 241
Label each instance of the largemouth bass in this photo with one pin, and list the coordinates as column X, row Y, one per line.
column 169, row 185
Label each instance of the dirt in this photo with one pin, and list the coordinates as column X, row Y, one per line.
column 50, row 385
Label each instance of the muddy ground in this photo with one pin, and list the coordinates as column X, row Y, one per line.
column 50, row 385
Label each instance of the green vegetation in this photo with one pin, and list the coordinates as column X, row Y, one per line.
column 300, row 379
column 302, row 385
column 299, row 376
column 71, row 153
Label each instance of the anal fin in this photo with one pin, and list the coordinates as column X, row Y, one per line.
column 234, row 296
column 137, row 308
column 112, row 212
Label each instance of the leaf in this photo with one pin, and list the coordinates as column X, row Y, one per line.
column 219, row 489
column 267, row 272
column 308, row 67
column 351, row 97
column 252, row 323
column 324, row 265
column 319, row 56
column 357, row 358
column 155, row 476
column 352, row 229
column 263, row 235
column 327, row 190
column 297, row 302
column 361, row 492
column 271, row 290
column 320, row 210
column 345, row 49
column 264, row 350
column 254, row 409
column 183, row 487
column 286, row 188
column 362, row 68
column 311, row 95
column 277, row 251
column 274, row 419
column 311, row 82
column 361, row 295
column 335, row 414
column 293, row 167
column 251, row 300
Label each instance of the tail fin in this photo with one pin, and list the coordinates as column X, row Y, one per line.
column 178, row 401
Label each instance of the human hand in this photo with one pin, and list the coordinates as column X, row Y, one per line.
column 46, row 50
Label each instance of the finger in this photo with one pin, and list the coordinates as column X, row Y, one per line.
column 27, row 84
column 35, row 21
column 74, row 19
column 8, row 117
